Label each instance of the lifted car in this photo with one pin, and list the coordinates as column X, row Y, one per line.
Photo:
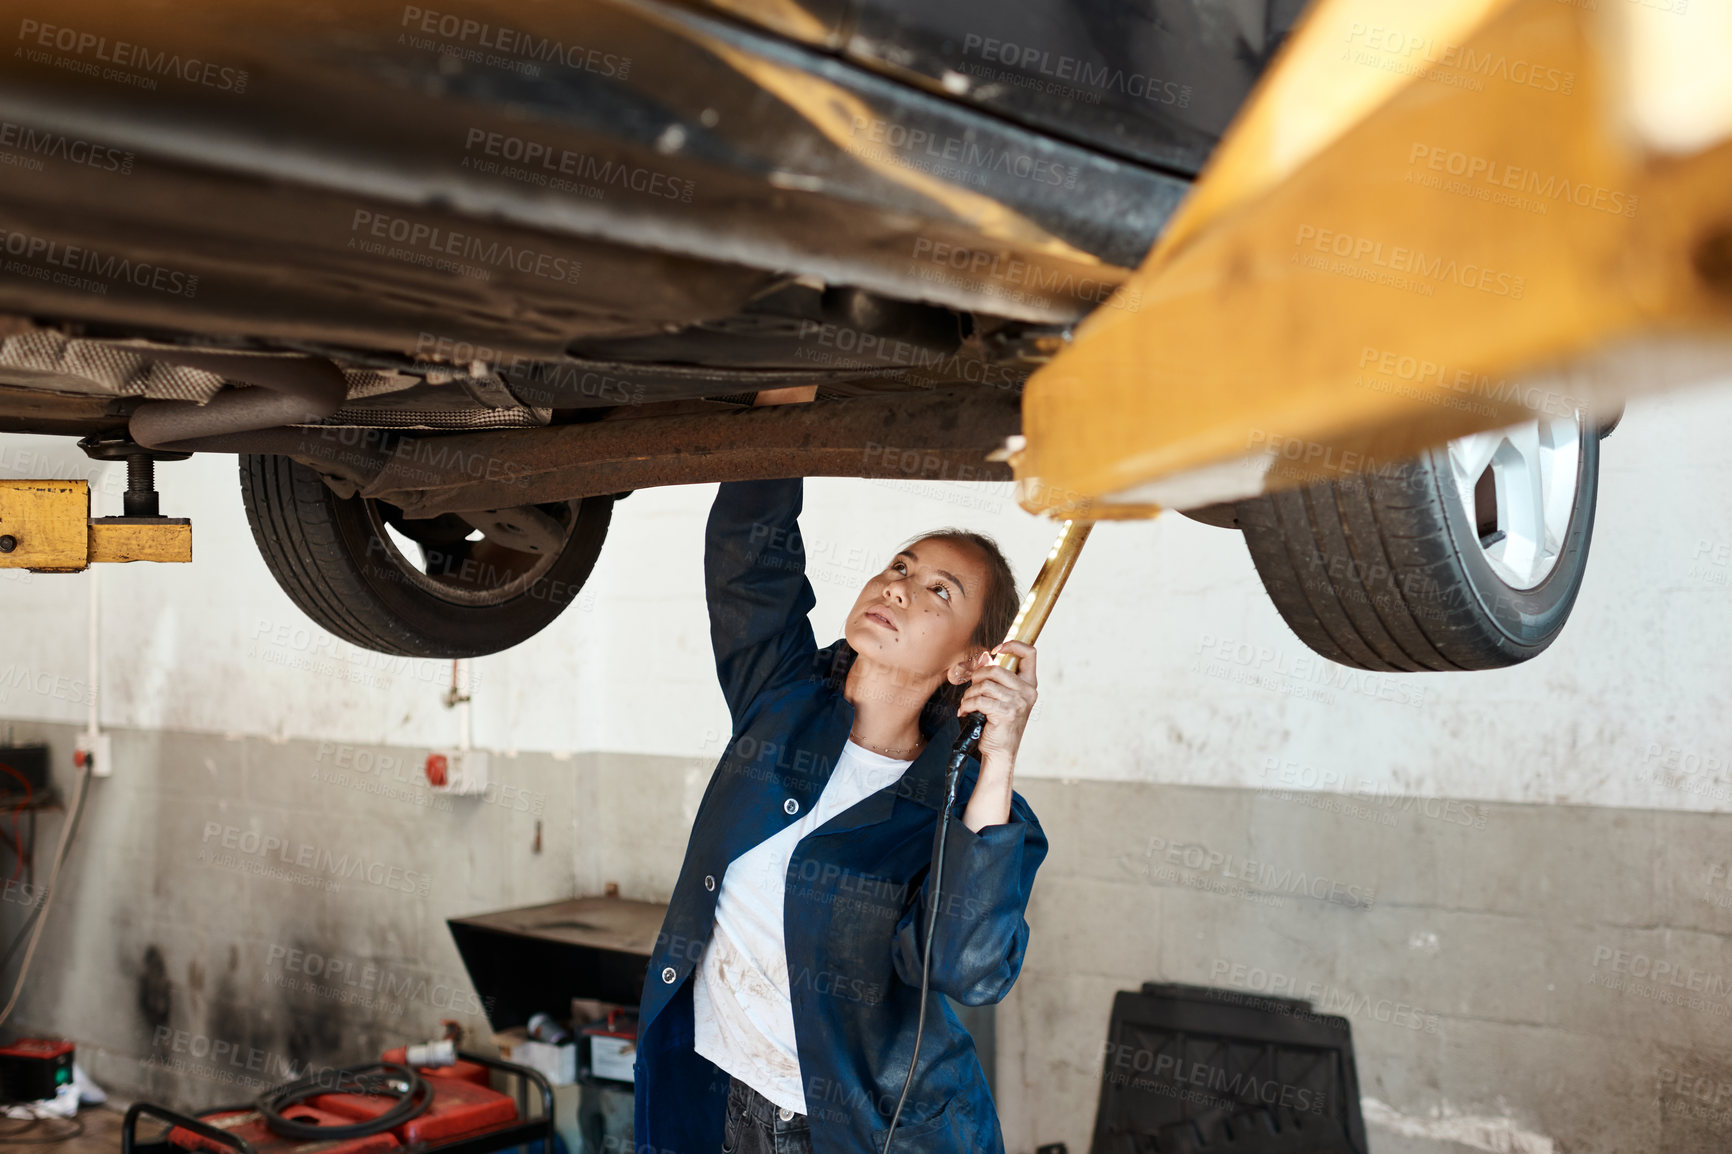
column 449, row 281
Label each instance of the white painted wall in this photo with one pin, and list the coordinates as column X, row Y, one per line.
column 1630, row 708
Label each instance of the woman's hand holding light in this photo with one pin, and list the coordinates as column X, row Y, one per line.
column 1005, row 699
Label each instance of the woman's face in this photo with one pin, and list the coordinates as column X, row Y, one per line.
column 920, row 611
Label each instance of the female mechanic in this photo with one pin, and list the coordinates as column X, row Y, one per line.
column 780, row 1006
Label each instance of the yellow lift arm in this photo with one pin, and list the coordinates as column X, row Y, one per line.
column 1433, row 217
column 47, row 526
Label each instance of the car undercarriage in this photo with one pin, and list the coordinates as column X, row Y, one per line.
column 451, row 283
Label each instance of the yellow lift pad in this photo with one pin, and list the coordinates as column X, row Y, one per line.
column 46, row 526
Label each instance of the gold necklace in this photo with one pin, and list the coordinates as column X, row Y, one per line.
column 886, row 751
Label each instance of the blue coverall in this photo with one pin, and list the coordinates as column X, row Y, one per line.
column 857, row 898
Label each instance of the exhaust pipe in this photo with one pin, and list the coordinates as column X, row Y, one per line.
column 286, row 390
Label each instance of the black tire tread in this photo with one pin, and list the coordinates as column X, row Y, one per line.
column 293, row 529
column 1405, row 645
column 293, row 517
column 1365, row 572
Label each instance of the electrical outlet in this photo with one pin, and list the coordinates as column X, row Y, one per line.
column 97, row 752
column 460, row 772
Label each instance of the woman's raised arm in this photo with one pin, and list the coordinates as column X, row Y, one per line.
column 756, row 586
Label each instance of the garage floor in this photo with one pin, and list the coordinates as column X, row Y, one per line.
column 101, row 1134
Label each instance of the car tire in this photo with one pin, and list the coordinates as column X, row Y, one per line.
column 349, row 565
column 1406, row 568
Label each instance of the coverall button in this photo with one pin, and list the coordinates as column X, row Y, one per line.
column 669, row 974
column 790, row 807
column 710, row 882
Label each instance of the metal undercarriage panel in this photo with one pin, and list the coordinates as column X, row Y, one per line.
column 527, row 175
column 1156, row 82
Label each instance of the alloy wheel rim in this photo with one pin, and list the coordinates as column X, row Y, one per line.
column 1518, row 487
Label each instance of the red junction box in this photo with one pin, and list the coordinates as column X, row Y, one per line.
column 249, row 1124
column 32, row 1069
column 459, row 1109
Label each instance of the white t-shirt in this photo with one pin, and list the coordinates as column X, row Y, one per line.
column 742, row 1014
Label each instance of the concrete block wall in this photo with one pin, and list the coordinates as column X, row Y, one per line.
column 1530, row 978
column 236, row 909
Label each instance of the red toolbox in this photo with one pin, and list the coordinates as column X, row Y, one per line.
column 250, row 1125
column 458, row 1109
column 460, row 1118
